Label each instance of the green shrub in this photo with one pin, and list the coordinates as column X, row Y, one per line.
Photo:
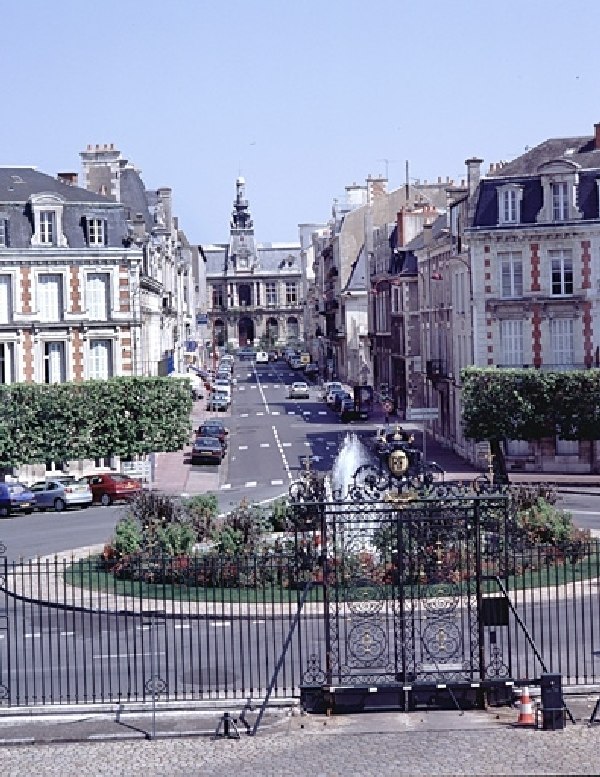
column 127, row 538
column 201, row 511
column 176, row 539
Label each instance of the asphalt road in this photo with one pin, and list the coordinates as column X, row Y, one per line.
column 270, row 436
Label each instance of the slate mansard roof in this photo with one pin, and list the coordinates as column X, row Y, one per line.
column 272, row 258
column 524, row 171
column 19, row 184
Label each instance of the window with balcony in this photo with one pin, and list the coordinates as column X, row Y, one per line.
column 218, row 297
column 100, row 362
column 271, row 295
column 49, row 293
column 5, row 299
column 291, row 293
column 511, row 274
column 562, row 272
column 55, row 367
column 563, row 343
column 511, row 342
column 97, row 287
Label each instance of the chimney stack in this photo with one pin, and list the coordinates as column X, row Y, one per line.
column 69, row 178
column 473, row 173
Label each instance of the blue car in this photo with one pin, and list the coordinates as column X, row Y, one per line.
column 15, row 498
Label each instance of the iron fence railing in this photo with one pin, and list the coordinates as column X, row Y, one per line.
column 96, row 630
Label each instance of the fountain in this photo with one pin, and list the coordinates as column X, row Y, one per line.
column 351, row 456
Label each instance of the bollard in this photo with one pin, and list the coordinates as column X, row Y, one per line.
column 553, row 705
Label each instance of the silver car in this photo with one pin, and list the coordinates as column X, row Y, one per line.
column 60, row 493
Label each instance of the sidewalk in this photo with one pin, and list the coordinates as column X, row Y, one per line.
column 173, row 473
column 376, row 744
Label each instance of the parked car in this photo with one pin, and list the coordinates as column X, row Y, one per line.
column 295, row 363
column 329, row 386
column 15, row 498
column 311, row 370
column 273, row 356
column 218, row 401
column 333, row 393
column 340, row 397
column 246, row 354
column 349, row 413
column 21, row 497
column 213, row 428
column 207, row 449
column 222, row 384
column 61, row 492
column 262, row 357
column 109, row 487
column 299, row 390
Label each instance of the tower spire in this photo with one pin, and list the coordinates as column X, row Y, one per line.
column 240, row 217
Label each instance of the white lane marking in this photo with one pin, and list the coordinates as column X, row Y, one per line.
column 275, row 412
column 67, row 633
column 260, row 413
column 243, row 448
column 241, row 388
column 276, row 385
column 244, row 415
column 264, row 445
column 277, row 482
column 291, row 412
column 283, row 457
column 262, row 394
column 306, row 412
column 225, row 486
column 287, row 445
column 220, row 623
column 250, row 484
column 307, row 445
column 252, row 387
column 183, row 626
column 31, row 636
column 322, row 412
column 257, row 622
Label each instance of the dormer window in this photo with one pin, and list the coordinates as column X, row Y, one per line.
column 47, row 230
column 96, row 232
column 560, row 201
column 559, row 180
column 509, row 204
column 3, row 232
column 48, row 220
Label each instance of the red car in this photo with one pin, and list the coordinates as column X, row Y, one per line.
column 109, row 487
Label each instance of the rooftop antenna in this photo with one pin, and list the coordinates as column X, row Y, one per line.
column 387, row 166
column 406, row 181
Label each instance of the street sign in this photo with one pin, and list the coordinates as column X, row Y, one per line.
column 422, row 414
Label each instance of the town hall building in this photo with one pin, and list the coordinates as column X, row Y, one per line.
column 254, row 289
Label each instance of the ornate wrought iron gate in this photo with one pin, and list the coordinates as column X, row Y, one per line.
column 403, row 583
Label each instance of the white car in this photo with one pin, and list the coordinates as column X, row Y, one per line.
column 262, row 357
column 332, row 385
column 299, row 391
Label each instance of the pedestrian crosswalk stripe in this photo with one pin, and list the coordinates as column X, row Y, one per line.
column 277, row 482
column 250, row 484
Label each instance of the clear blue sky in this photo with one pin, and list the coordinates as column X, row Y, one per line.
column 300, row 97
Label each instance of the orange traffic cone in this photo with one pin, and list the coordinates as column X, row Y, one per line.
column 526, row 716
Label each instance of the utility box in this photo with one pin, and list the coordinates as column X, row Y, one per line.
column 553, row 705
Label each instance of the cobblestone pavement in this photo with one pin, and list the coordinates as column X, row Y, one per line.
column 326, row 747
